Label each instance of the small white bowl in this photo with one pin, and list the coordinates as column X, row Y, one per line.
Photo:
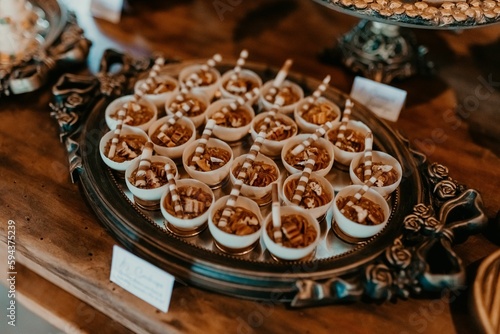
column 288, row 253
column 126, row 130
column 159, row 99
column 352, row 228
column 321, row 142
column 327, row 187
column 208, row 90
column 227, row 133
column 211, row 178
column 236, row 244
column 113, row 107
column 261, row 195
column 272, row 148
column 187, row 227
column 344, row 157
column 286, row 108
column 148, row 198
column 310, row 127
column 380, row 157
column 176, row 151
column 198, row 120
column 245, row 74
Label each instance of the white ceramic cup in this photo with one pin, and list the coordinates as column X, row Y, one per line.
column 116, row 104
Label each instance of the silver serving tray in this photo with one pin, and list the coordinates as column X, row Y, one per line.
column 339, row 271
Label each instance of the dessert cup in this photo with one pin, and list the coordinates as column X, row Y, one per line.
column 212, row 178
column 149, row 198
column 116, row 104
column 126, row 131
column 206, row 85
column 321, row 206
column 232, row 243
column 290, row 91
column 186, row 227
column 174, row 152
column 260, row 194
column 353, row 228
column 252, row 80
column 288, row 253
column 342, row 157
column 378, row 157
column 228, row 133
column 170, row 88
column 321, row 143
column 198, row 118
column 272, row 148
column 310, row 124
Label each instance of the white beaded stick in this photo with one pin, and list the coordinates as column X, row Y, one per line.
column 144, row 165
column 303, row 180
column 202, row 143
column 276, row 215
column 117, row 132
column 343, row 123
column 239, row 64
column 172, row 187
column 368, row 157
column 250, row 158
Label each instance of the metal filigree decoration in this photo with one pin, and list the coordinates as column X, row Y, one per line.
column 421, row 259
column 382, row 52
column 69, row 49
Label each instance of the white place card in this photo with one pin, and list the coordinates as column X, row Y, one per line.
column 141, row 278
column 385, row 101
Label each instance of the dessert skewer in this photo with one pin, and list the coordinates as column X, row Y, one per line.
column 343, row 123
column 172, row 186
column 276, row 215
column 116, row 135
column 144, row 165
column 368, row 157
column 303, row 180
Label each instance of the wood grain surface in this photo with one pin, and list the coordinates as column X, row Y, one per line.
column 451, row 116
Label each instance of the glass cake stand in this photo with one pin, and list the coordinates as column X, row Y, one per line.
column 382, row 46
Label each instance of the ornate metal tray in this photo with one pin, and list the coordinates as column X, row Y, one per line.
column 430, row 212
column 56, row 43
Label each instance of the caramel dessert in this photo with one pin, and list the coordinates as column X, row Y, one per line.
column 298, row 161
column 259, row 174
column 161, row 87
column 241, row 222
column 174, row 135
column 156, row 176
column 128, row 148
column 202, row 78
column 213, row 158
column 191, row 107
column 194, row 202
column 137, row 114
column 297, row 232
column 233, row 118
column 285, row 93
column 352, row 142
column 364, row 212
column 389, row 174
column 277, row 130
column 319, row 113
column 240, row 86
column 314, row 196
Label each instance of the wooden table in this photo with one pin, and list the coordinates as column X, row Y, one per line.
column 451, row 117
